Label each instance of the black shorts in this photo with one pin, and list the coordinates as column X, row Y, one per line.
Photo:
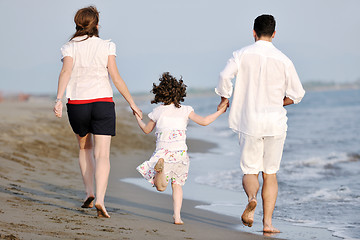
column 97, row 118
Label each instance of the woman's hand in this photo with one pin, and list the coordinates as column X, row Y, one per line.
column 58, row 109
column 137, row 111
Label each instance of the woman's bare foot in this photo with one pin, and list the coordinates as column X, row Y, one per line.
column 89, row 202
column 248, row 215
column 101, row 211
column 270, row 229
column 178, row 221
column 159, row 165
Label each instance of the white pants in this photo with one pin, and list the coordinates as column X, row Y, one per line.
column 261, row 154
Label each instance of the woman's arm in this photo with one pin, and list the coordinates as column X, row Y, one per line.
column 147, row 128
column 204, row 121
column 120, row 84
column 64, row 78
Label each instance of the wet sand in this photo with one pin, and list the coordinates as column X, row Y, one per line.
column 41, row 189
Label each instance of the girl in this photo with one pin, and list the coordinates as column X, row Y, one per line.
column 170, row 161
column 87, row 62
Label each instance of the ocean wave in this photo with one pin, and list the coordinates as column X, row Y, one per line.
column 334, row 164
column 228, row 180
column 311, row 169
column 341, row 194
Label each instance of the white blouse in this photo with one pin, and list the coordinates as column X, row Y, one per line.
column 171, row 124
column 264, row 76
column 89, row 77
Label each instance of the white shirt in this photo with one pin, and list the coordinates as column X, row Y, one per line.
column 264, row 76
column 171, row 124
column 89, row 77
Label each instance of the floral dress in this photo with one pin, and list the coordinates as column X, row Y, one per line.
column 171, row 145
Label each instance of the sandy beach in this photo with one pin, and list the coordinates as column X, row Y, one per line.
column 41, row 189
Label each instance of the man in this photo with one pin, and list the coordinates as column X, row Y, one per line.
column 266, row 81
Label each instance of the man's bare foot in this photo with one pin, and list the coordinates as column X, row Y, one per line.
column 159, row 165
column 270, row 229
column 178, row 221
column 101, row 211
column 89, row 202
column 248, row 215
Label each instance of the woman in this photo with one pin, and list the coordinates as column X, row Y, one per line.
column 87, row 63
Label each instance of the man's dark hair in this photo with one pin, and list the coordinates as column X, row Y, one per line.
column 264, row 25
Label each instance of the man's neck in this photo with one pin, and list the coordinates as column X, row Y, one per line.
column 268, row 39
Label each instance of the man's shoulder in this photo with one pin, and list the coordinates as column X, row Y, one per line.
column 278, row 54
column 243, row 49
column 270, row 51
column 237, row 53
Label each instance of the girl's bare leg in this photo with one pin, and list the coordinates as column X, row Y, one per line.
column 160, row 178
column 177, row 202
column 102, row 159
column 87, row 165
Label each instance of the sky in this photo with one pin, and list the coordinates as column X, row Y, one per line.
column 191, row 38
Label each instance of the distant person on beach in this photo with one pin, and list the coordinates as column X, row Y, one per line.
column 266, row 81
column 87, row 63
column 170, row 161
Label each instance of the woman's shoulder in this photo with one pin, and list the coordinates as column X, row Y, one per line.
column 86, row 39
column 67, row 49
column 104, row 41
column 67, row 44
column 108, row 44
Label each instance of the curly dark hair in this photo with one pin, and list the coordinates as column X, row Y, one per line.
column 170, row 90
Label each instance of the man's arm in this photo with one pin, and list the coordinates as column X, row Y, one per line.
column 225, row 86
column 294, row 89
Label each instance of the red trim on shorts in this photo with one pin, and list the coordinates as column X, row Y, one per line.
column 106, row 99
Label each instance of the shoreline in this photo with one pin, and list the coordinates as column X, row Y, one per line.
column 41, row 189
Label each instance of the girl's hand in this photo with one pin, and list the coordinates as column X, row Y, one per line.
column 222, row 108
column 136, row 111
column 224, row 102
column 137, row 116
column 58, row 109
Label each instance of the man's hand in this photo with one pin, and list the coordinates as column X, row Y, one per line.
column 224, row 101
column 287, row 101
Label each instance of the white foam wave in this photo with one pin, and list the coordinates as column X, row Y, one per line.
column 229, row 180
column 339, row 195
column 346, row 233
column 318, row 167
column 322, row 161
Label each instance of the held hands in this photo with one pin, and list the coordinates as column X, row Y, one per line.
column 136, row 111
column 58, row 109
column 222, row 108
column 223, row 105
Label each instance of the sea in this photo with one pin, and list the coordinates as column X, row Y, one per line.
column 319, row 176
